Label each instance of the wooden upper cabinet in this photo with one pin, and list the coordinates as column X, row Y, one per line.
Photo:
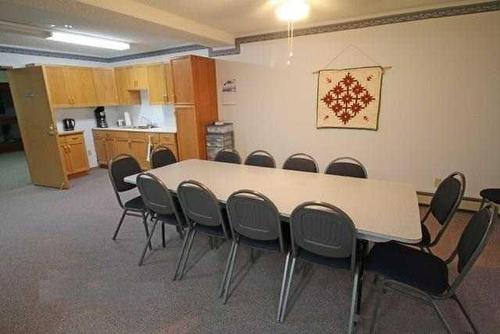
column 157, row 84
column 133, row 77
column 80, row 82
column 123, row 82
column 182, row 76
column 70, row 86
column 105, row 86
column 170, row 82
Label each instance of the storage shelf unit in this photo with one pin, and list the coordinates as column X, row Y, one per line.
column 219, row 137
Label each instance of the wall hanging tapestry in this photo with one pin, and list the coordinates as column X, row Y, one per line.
column 349, row 98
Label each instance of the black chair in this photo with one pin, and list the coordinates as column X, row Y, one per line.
column 301, row 162
column 260, row 158
column 424, row 276
column 118, row 168
column 255, row 222
column 323, row 234
column 228, row 155
column 443, row 206
column 162, row 156
column 203, row 214
column 163, row 208
column 347, row 166
column 490, row 195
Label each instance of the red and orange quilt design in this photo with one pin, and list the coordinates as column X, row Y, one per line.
column 349, row 98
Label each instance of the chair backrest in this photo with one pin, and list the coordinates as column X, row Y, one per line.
column 473, row 240
column 162, row 156
column 322, row 229
column 155, row 194
column 229, row 156
column 347, row 166
column 254, row 216
column 199, row 204
column 120, row 167
column 301, row 162
column 260, row 158
column 447, row 197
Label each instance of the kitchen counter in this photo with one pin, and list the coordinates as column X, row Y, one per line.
column 153, row 130
column 67, row 133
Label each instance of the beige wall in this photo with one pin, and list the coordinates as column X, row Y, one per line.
column 440, row 108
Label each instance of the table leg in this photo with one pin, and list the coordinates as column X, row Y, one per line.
column 361, row 252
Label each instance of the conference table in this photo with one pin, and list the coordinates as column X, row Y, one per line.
column 381, row 210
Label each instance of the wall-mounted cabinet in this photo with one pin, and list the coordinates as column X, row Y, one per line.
column 105, row 86
column 161, row 90
column 70, row 86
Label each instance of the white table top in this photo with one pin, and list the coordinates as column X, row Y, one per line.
column 380, row 210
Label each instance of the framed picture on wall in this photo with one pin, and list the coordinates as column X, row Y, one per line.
column 349, row 98
column 229, row 91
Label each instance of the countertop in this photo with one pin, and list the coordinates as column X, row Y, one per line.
column 73, row 132
column 154, row 130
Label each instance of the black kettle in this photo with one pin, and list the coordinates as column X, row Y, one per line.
column 69, row 124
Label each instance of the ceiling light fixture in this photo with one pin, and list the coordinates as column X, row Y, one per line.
column 292, row 11
column 87, row 41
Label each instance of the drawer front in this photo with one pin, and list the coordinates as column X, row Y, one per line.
column 167, row 138
column 137, row 136
column 118, row 135
column 74, row 139
column 100, row 134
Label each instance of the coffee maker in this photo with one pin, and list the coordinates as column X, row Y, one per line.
column 100, row 117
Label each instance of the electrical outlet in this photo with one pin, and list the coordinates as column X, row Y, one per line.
column 437, row 181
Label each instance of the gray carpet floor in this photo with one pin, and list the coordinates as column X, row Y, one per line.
column 13, row 171
column 62, row 273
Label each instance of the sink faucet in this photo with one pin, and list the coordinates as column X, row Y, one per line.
column 149, row 122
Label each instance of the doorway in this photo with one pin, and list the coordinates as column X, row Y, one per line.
column 13, row 165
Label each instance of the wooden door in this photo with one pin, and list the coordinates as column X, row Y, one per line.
column 157, row 84
column 183, row 80
column 101, row 151
column 139, row 148
column 56, row 85
column 169, row 83
column 123, row 82
column 140, row 77
column 64, row 149
column 77, row 153
column 81, row 86
column 187, row 133
column 37, row 127
column 119, row 143
column 105, row 86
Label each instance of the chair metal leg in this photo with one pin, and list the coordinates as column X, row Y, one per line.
column 363, row 248
column 462, row 308
column 354, row 300
column 119, row 224
column 186, row 256
column 145, row 222
column 148, row 242
column 441, row 316
column 380, row 290
column 283, row 284
column 181, row 254
column 287, row 290
column 163, row 243
column 483, row 201
column 230, row 273
column 226, row 270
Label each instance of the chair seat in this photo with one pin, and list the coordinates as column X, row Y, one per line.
column 269, row 245
column 215, row 231
column 410, row 266
column 169, row 219
column 136, row 204
column 491, row 194
column 338, row 263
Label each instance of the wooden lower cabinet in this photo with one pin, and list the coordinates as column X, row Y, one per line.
column 74, row 153
column 109, row 144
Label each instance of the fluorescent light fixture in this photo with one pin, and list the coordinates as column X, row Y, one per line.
column 293, row 10
column 88, row 41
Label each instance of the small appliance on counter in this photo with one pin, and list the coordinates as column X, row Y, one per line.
column 120, row 123
column 68, row 124
column 100, row 116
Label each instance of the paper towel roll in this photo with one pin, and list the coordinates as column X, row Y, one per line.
column 128, row 121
